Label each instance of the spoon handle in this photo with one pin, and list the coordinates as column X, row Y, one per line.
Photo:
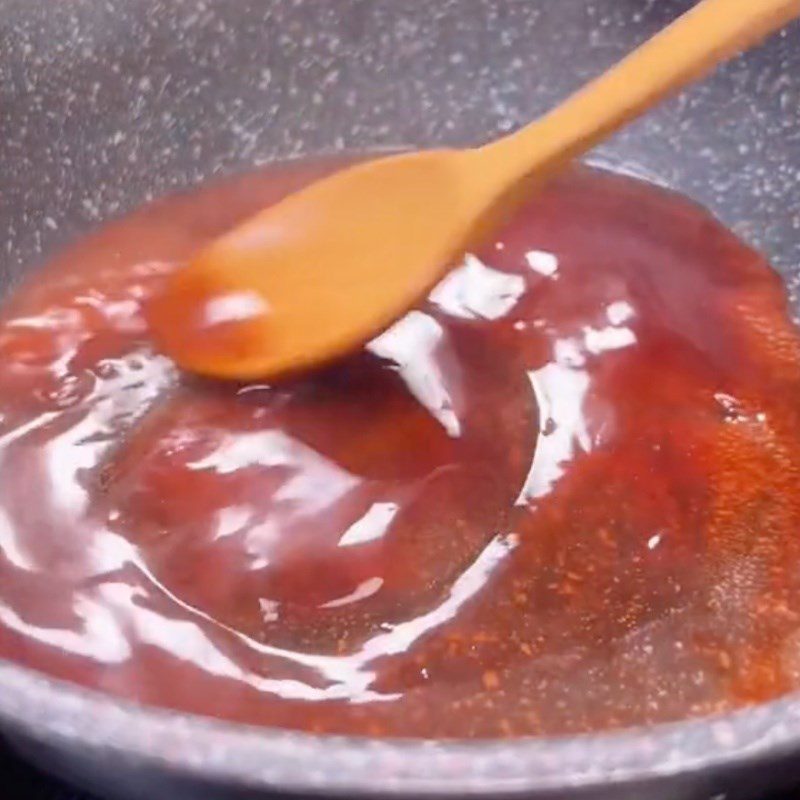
column 711, row 32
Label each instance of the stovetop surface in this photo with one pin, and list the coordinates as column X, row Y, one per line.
column 19, row 781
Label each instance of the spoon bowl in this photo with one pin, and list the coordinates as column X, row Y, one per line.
column 308, row 279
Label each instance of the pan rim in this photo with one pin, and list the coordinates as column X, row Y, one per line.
column 54, row 712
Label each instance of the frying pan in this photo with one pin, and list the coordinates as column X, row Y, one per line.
column 107, row 103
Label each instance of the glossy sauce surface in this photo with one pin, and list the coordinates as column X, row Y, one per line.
column 559, row 496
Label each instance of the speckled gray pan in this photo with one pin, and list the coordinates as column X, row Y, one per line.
column 106, row 103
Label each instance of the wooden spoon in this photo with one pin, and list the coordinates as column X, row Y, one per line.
column 327, row 268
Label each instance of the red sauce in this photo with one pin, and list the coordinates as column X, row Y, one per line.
column 559, row 496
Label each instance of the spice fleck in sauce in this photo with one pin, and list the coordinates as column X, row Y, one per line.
column 559, row 496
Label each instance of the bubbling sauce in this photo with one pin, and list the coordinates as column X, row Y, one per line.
column 558, row 496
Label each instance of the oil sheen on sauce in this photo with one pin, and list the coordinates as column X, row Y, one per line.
column 558, row 496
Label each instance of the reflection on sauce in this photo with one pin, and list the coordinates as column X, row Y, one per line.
column 558, row 496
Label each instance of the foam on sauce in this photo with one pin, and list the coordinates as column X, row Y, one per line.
column 559, row 496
